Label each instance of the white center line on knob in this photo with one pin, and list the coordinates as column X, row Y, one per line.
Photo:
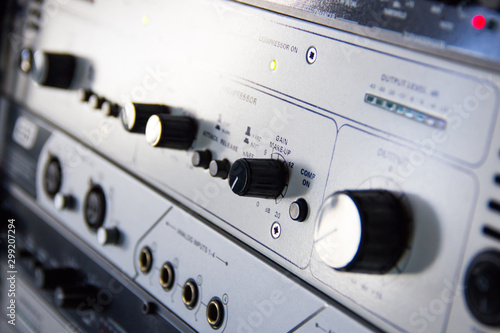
column 234, row 183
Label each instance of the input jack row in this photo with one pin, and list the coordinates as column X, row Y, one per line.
column 190, row 291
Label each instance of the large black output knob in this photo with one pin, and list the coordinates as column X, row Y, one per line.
column 135, row 116
column 168, row 131
column 260, row 178
column 55, row 70
column 363, row 231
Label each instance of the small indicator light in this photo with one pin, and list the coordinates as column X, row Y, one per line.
column 145, row 19
column 409, row 113
column 478, row 22
column 430, row 121
column 441, row 124
column 273, row 65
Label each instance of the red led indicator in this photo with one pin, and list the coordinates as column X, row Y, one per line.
column 478, row 22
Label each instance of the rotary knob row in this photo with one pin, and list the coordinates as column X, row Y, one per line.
column 96, row 102
column 160, row 127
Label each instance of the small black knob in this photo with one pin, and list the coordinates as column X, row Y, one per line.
column 482, row 288
column 64, row 201
column 261, row 178
column 73, row 297
column 168, row 131
column 136, row 115
column 50, row 278
column 84, row 94
column 95, row 207
column 95, row 102
column 110, row 109
column 363, row 231
column 219, row 168
column 108, row 236
column 55, row 70
column 202, row 158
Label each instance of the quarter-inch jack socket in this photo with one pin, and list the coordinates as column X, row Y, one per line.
column 190, row 294
column 145, row 260
column 215, row 313
column 167, row 276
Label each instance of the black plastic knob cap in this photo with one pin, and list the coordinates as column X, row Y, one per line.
column 73, row 297
column 202, row 158
column 108, row 236
column 50, row 278
column 85, row 94
column 219, row 168
column 135, row 116
column 64, row 201
column 55, row 70
column 168, row 131
column 95, row 101
column 363, row 231
column 110, row 109
column 261, row 178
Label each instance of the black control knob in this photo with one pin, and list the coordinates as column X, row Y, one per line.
column 73, row 297
column 363, row 231
column 108, row 236
column 110, row 109
column 94, row 207
column 64, row 201
column 261, row 178
column 202, row 158
column 50, row 278
column 84, row 94
column 482, row 288
column 53, row 69
column 168, row 131
column 219, row 168
column 135, row 116
column 95, row 101
column 52, row 180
